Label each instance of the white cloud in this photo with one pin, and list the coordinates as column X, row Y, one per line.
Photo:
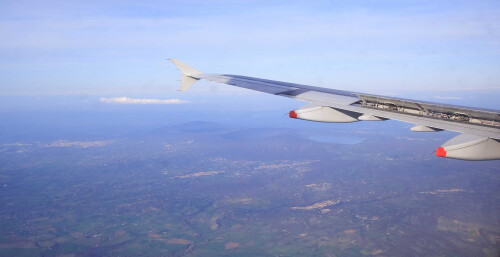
column 447, row 97
column 128, row 100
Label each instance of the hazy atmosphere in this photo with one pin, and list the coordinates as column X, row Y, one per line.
column 113, row 47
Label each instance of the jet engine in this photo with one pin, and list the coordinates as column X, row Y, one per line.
column 324, row 114
column 470, row 147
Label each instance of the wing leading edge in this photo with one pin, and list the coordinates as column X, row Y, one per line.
column 480, row 128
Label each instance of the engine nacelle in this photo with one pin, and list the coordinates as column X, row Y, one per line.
column 470, row 147
column 324, row 114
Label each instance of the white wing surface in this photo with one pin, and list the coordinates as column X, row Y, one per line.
column 480, row 128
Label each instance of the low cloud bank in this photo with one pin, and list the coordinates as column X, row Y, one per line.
column 128, row 100
column 447, row 97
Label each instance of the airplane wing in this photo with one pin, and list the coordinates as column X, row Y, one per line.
column 479, row 128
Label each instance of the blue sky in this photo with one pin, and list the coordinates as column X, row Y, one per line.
column 118, row 48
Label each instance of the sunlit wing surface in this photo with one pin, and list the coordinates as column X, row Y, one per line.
column 480, row 128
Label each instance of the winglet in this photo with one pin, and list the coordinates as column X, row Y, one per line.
column 189, row 75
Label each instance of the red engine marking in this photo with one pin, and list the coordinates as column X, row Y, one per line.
column 440, row 152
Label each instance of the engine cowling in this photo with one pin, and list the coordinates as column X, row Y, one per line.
column 470, row 147
column 324, row 114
